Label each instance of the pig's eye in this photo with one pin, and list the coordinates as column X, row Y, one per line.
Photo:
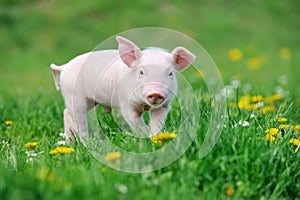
column 171, row 74
column 140, row 73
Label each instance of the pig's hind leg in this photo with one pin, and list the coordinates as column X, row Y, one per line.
column 75, row 118
column 67, row 125
column 75, row 123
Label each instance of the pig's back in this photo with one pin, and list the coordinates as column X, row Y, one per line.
column 102, row 71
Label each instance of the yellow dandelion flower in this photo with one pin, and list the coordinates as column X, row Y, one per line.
column 256, row 98
column 295, row 142
column 244, row 103
column 62, row 150
column 254, row 63
column 268, row 109
column 172, row 135
column 282, row 119
column 112, row 156
column 275, row 97
column 297, row 127
column 235, row 54
column 285, row 54
column 30, row 145
column 284, row 126
column 272, row 131
column 159, row 138
column 229, row 191
column 8, row 122
column 270, row 138
column 254, row 107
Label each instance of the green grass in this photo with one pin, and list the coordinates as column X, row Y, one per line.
column 37, row 33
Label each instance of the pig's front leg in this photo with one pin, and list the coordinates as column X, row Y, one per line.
column 157, row 119
column 135, row 121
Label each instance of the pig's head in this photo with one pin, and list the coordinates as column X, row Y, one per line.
column 154, row 70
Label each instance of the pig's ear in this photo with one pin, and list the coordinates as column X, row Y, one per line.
column 182, row 58
column 128, row 51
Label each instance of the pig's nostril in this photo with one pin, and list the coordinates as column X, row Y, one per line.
column 155, row 98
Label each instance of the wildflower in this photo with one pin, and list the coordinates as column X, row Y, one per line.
column 229, row 191
column 63, row 135
column 257, row 98
column 275, row 97
column 244, row 123
column 159, row 138
column 282, row 119
column 235, row 54
column 8, row 122
column 122, row 189
column 268, row 109
column 33, row 153
column 260, row 104
column 62, row 150
column 235, row 83
column 297, row 128
column 270, row 137
column 285, row 54
column 295, row 142
column 254, row 63
column 244, row 103
column 284, row 126
column 271, row 133
column 113, row 156
column 30, row 145
column 63, row 142
column 252, row 116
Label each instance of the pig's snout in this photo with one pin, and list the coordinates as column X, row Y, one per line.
column 155, row 98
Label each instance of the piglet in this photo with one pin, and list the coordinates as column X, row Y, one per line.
column 129, row 78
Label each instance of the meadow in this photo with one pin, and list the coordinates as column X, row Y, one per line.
column 255, row 45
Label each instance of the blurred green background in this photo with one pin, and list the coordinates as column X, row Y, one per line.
column 255, row 41
column 36, row 33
